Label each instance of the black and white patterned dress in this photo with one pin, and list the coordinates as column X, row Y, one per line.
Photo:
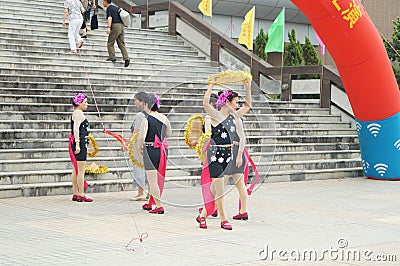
column 219, row 154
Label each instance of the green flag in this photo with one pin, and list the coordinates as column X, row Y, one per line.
column 275, row 34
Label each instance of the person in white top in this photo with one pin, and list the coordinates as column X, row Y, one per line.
column 73, row 9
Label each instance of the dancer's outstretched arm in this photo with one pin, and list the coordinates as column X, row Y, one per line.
column 206, row 100
column 247, row 104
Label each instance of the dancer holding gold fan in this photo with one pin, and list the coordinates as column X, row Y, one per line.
column 78, row 146
column 240, row 181
column 224, row 123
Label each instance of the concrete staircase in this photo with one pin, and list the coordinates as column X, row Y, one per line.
column 288, row 140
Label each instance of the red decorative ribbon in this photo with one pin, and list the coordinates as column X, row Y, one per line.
column 246, row 172
column 248, row 159
column 73, row 159
column 162, row 167
column 206, row 181
column 118, row 137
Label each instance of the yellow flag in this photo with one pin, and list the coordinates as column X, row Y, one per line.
column 205, row 7
column 246, row 35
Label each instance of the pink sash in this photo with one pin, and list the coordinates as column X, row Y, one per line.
column 73, row 159
column 206, row 181
column 162, row 167
column 246, row 172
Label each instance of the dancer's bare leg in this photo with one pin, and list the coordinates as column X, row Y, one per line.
column 80, row 178
column 239, row 183
column 153, row 186
column 219, row 185
column 74, row 181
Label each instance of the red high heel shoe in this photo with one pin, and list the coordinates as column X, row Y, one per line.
column 226, row 225
column 147, row 207
column 214, row 214
column 202, row 222
column 75, row 197
column 159, row 210
column 243, row 216
column 83, row 199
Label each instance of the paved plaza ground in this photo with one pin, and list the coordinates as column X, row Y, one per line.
column 333, row 222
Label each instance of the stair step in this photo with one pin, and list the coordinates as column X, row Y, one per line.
column 250, row 126
column 141, row 62
column 41, row 32
column 12, row 174
column 92, row 116
column 34, row 142
column 320, row 174
column 150, row 55
column 81, row 79
column 63, row 188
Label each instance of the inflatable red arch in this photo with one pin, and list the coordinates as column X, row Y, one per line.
column 367, row 75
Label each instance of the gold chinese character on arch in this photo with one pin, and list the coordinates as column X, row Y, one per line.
column 352, row 14
column 335, row 3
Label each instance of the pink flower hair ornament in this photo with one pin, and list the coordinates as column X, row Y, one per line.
column 158, row 101
column 223, row 98
column 78, row 98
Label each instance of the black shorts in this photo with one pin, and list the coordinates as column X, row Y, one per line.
column 218, row 159
column 86, row 18
column 151, row 157
column 232, row 168
column 82, row 155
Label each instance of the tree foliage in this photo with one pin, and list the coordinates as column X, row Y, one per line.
column 293, row 51
column 310, row 58
column 260, row 43
column 393, row 49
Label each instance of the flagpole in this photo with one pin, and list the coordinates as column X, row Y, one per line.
column 211, row 31
column 251, row 62
column 282, row 69
column 147, row 14
column 322, row 71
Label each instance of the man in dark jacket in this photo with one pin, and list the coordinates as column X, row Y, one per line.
column 115, row 31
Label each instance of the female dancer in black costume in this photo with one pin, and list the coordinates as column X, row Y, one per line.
column 78, row 146
column 154, row 131
column 224, row 123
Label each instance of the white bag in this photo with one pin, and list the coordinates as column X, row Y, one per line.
column 125, row 17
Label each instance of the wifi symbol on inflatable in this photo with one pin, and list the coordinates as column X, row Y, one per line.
column 397, row 144
column 374, row 129
column 358, row 127
column 365, row 165
column 381, row 168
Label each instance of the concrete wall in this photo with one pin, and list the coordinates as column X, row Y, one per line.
column 194, row 37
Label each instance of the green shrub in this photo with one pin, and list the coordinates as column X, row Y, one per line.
column 260, row 43
column 394, row 46
column 310, row 58
column 293, row 51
